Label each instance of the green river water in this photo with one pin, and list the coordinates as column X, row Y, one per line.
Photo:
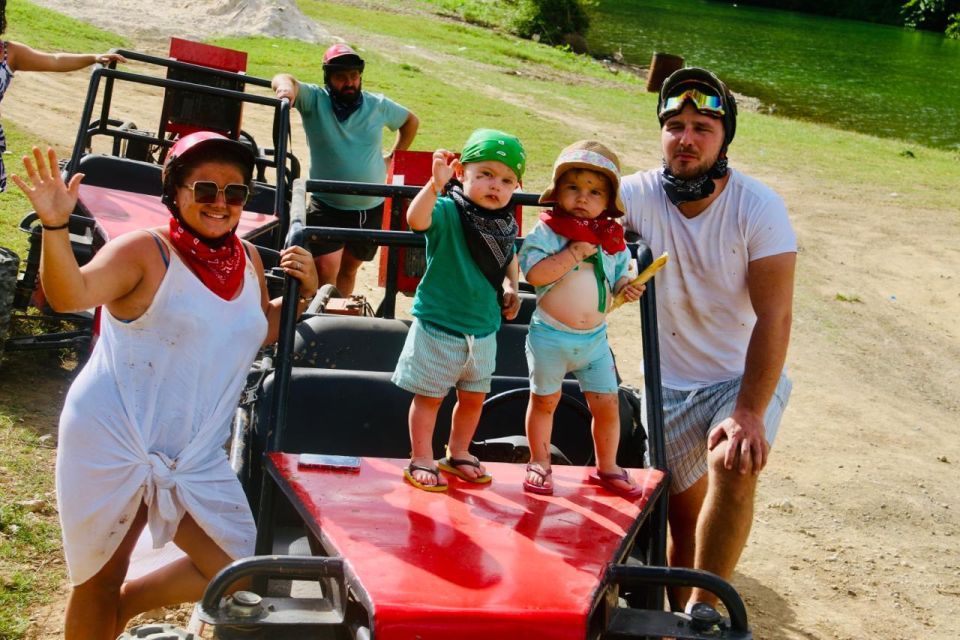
column 885, row 81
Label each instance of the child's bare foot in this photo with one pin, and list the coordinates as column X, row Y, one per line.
column 465, row 466
column 539, row 478
column 423, row 474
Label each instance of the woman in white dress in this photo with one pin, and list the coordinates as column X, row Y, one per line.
column 143, row 425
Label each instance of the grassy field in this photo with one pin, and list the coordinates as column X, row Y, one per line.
column 456, row 77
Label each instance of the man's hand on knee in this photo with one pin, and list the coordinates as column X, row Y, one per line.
column 744, row 438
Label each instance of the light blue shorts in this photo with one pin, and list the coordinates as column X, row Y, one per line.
column 554, row 349
column 434, row 359
column 690, row 415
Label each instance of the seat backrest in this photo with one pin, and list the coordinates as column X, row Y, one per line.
column 374, row 344
column 262, row 199
column 363, row 413
column 123, row 174
column 346, row 342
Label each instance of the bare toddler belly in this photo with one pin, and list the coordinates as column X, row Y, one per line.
column 574, row 299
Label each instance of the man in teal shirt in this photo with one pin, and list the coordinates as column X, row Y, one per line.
column 344, row 127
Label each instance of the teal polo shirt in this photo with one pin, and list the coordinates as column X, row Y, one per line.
column 351, row 150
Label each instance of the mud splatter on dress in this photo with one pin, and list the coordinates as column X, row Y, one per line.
column 147, row 418
column 6, row 77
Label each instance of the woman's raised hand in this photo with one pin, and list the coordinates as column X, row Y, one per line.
column 53, row 200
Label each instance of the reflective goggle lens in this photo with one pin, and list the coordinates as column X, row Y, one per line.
column 205, row 192
column 704, row 102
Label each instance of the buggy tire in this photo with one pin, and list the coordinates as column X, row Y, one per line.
column 157, row 632
column 9, row 266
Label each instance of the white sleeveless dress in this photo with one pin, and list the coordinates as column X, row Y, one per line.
column 148, row 416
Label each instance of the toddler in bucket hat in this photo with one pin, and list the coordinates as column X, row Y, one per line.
column 575, row 258
column 594, row 156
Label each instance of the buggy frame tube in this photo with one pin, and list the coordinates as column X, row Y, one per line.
column 287, row 567
column 654, row 403
column 397, row 193
column 632, row 576
column 281, row 107
column 284, row 363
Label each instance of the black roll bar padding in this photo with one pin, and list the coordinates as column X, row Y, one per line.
column 288, row 320
column 276, row 423
column 388, row 306
column 397, row 191
column 636, row 576
column 285, row 567
column 656, row 439
column 280, row 164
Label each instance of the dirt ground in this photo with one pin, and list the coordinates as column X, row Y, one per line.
column 858, row 517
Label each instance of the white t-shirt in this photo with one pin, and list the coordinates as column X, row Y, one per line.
column 704, row 312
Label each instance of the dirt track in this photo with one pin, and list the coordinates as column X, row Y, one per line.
column 858, row 514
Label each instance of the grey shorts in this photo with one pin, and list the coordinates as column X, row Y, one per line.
column 688, row 417
column 434, row 359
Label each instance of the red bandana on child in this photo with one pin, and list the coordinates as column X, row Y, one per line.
column 220, row 268
column 604, row 231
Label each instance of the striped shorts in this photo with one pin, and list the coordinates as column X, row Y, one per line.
column 690, row 415
column 434, row 359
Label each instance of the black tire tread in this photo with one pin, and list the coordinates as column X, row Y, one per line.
column 9, row 266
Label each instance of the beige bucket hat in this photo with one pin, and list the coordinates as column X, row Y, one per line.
column 592, row 155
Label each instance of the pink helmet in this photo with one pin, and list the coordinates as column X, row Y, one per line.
column 340, row 56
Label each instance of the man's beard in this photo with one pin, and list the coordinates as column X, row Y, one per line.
column 688, row 171
column 345, row 103
column 347, row 98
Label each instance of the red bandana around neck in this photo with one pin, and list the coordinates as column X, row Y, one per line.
column 604, row 231
column 220, row 269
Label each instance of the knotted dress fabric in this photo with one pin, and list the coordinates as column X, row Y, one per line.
column 147, row 418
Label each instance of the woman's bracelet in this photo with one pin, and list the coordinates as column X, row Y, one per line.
column 55, row 227
column 575, row 258
column 306, row 299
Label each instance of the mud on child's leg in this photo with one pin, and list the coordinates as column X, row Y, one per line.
column 423, row 420
column 463, row 426
column 539, row 426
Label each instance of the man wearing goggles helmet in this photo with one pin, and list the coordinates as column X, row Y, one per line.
column 724, row 307
column 344, row 129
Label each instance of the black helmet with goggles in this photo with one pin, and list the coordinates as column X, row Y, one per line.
column 708, row 94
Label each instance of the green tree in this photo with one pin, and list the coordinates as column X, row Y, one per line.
column 550, row 20
column 933, row 15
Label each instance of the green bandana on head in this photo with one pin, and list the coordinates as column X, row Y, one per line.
column 490, row 144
